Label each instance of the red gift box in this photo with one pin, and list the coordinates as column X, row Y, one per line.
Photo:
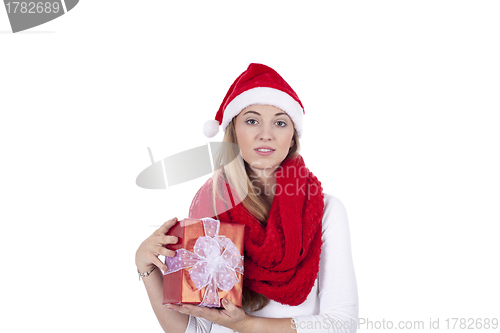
column 207, row 250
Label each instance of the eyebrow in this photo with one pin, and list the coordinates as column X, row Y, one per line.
column 277, row 114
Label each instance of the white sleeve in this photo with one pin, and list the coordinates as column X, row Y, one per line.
column 337, row 293
column 201, row 325
column 198, row 325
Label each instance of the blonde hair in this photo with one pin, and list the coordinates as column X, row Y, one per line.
column 237, row 173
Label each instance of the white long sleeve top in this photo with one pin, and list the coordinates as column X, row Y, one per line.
column 332, row 305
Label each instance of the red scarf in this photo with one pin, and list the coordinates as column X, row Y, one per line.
column 281, row 258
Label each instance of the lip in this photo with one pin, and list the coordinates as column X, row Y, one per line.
column 264, row 153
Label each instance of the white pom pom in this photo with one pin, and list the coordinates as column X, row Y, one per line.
column 211, row 128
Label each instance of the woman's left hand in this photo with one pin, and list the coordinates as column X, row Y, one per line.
column 231, row 316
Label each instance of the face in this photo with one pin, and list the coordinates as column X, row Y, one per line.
column 265, row 135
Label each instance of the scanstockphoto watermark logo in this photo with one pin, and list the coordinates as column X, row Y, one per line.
column 201, row 161
column 185, row 166
column 474, row 324
column 182, row 167
column 24, row 15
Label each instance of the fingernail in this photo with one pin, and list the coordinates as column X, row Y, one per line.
column 225, row 301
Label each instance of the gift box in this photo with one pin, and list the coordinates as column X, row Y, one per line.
column 208, row 264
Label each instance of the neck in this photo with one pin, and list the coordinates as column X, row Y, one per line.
column 265, row 180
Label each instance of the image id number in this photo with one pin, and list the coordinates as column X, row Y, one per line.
column 471, row 323
column 32, row 7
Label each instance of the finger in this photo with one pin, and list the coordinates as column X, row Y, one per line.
column 200, row 311
column 161, row 240
column 160, row 264
column 167, row 239
column 166, row 226
column 160, row 250
column 180, row 308
column 229, row 306
column 175, row 307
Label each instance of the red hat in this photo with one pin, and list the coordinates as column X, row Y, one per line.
column 259, row 84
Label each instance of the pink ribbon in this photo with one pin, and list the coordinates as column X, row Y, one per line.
column 215, row 262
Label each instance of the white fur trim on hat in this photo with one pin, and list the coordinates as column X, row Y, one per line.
column 211, row 128
column 265, row 96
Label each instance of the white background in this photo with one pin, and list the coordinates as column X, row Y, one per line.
column 402, row 125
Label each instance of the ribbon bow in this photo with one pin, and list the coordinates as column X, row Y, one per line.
column 214, row 262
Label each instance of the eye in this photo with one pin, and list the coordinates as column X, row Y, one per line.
column 281, row 123
column 251, row 121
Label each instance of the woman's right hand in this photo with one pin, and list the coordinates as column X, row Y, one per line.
column 147, row 254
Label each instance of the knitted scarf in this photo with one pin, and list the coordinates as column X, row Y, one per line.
column 282, row 257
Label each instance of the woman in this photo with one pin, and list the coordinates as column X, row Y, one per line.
column 299, row 274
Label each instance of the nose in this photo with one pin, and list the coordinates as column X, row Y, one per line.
column 265, row 133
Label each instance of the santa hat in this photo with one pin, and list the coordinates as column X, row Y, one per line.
column 262, row 85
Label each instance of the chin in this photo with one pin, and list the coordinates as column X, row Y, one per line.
column 262, row 164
